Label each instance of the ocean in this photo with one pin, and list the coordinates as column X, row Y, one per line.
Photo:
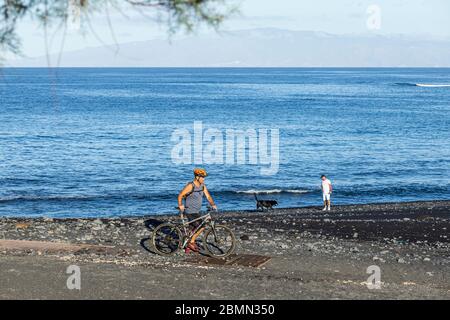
column 100, row 142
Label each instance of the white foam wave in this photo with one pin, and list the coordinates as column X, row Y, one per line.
column 432, row 85
column 272, row 191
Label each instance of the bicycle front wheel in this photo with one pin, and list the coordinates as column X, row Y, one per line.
column 167, row 239
column 220, row 241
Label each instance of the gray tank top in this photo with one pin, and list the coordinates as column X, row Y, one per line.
column 194, row 200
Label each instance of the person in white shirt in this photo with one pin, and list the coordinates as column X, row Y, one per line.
column 327, row 189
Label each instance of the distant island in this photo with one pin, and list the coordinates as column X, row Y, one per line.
column 266, row 47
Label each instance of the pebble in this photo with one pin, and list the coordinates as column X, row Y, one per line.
column 378, row 259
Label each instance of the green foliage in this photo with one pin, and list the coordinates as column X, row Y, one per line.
column 180, row 14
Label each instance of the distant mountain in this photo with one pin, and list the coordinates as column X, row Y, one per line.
column 263, row 48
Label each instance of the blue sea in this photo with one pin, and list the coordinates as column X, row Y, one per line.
column 99, row 142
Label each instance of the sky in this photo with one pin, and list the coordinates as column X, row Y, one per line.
column 413, row 18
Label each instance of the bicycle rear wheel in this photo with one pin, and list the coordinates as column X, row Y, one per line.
column 220, row 241
column 167, row 239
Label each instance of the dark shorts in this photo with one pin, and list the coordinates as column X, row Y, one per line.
column 193, row 216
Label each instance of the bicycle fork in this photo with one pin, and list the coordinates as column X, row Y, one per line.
column 216, row 239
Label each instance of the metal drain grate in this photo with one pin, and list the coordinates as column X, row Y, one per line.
column 242, row 260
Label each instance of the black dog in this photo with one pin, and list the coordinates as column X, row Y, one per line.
column 265, row 204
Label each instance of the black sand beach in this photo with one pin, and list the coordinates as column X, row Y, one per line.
column 314, row 255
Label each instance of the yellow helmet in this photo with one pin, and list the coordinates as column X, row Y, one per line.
column 200, row 172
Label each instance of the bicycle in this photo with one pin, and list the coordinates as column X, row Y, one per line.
column 219, row 240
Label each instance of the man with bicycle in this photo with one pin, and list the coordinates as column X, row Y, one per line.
column 193, row 194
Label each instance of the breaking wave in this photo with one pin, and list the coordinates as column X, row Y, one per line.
column 272, row 191
column 426, row 85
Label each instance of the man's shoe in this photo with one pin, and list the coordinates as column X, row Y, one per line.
column 191, row 247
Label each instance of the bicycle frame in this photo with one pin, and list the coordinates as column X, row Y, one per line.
column 206, row 220
column 184, row 232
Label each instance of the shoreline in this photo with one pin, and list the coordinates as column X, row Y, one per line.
column 233, row 212
column 314, row 255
